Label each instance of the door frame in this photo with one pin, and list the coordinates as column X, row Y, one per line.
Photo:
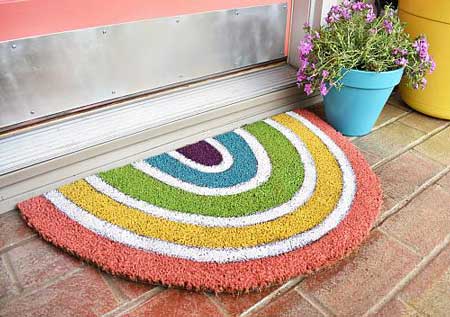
column 316, row 11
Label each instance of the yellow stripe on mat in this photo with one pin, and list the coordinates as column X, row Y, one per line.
column 322, row 202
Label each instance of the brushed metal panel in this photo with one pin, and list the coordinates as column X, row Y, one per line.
column 51, row 74
column 58, row 139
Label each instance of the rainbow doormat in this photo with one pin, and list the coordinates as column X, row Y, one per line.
column 241, row 211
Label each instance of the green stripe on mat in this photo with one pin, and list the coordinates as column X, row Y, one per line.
column 286, row 179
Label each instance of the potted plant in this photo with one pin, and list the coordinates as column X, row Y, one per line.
column 356, row 59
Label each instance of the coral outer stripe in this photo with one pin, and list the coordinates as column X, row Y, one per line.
column 319, row 206
column 119, row 259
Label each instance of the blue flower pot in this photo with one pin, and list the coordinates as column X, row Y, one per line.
column 354, row 109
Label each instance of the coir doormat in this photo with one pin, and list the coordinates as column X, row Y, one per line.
column 241, row 211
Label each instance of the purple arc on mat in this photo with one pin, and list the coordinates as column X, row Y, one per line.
column 202, row 152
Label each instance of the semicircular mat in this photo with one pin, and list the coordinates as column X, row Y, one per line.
column 243, row 210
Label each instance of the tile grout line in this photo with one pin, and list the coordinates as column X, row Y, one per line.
column 401, row 107
column 399, row 103
column 17, row 244
column 381, row 125
column 273, row 296
column 445, row 165
column 216, row 302
column 400, row 299
column 399, row 241
column 391, row 120
column 410, row 276
column 117, row 293
column 34, row 289
column 12, row 273
column 315, row 303
column 8, row 213
column 410, row 146
column 425, row 156
column 134, row 303
column 405, row 201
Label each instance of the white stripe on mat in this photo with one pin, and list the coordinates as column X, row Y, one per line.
column 298, row 199
column 264, row 169
column 222, row 255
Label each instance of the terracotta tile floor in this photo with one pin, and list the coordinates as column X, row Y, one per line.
column 402, row 269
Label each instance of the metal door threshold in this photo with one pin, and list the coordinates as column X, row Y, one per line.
column 42, row 158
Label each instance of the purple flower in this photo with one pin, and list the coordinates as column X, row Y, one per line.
column 303, row 63
column 305, row 47
column 432, row 66
column 308, row 89
column 373, row 31
column 335, row 9
column 323, row 89
column 330, row 19
column 421, row 46
column 370, row 16
column 300, row 76
column 401, row 51
column 337, row 12
column 358, row 6
column 423, row 82
column 401, row 61
column 346, row 14
column 333, row 17
column 388, row 26
column 325, row 74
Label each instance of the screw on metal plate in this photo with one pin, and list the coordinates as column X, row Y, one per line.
column 236, row 12
column 31, row 112
column 285, row 6
column 113, row 92
column 177, row 20
column 104, row 31
column 13, row 46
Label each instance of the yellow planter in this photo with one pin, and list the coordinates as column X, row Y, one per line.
column 431, row 18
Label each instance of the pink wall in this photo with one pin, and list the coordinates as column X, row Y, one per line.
column 25, row 18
